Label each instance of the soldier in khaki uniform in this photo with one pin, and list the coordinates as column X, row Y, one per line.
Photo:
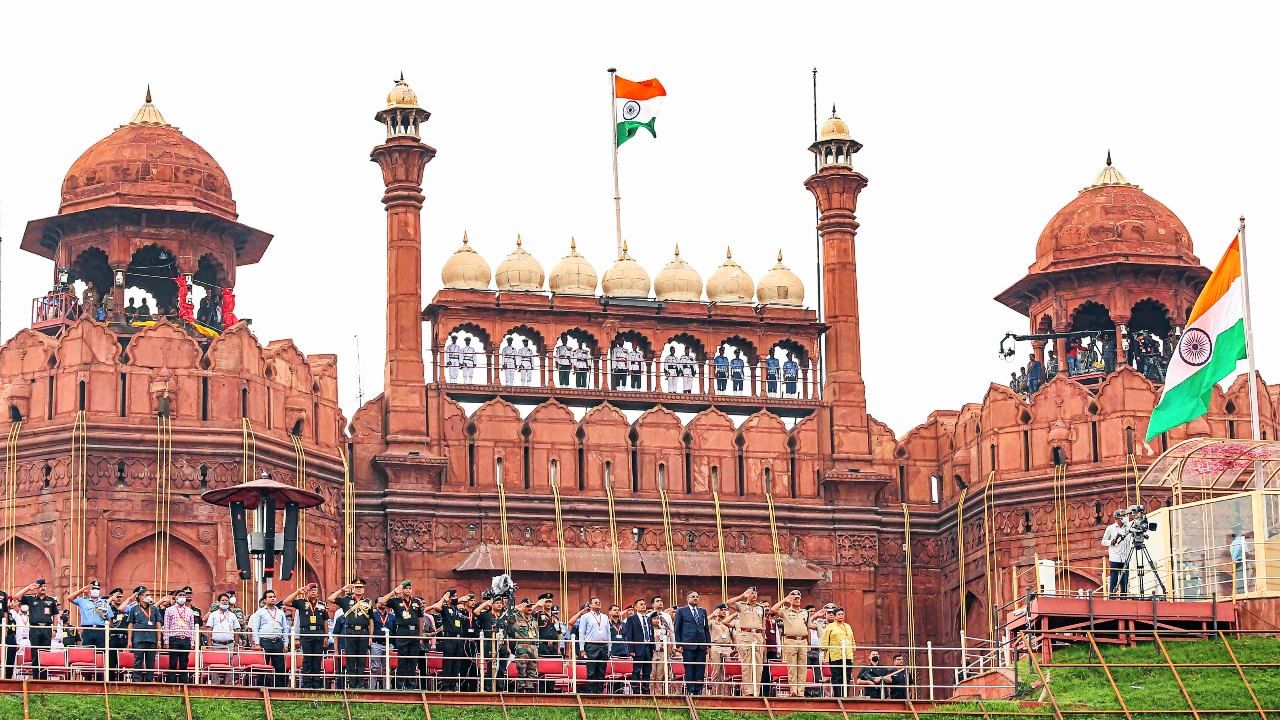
column 794, row 640
column 523, row 631
column 750, row 635
column 721, row 649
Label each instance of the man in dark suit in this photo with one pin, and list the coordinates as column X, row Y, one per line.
column 693, row 635
column 638, row 633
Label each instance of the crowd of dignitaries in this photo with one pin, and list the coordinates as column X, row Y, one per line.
column 347, row 638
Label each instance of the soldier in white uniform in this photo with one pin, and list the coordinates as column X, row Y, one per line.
column 619, row 358
column 468, row 360
column 671, row 367
column 563, row 357
column 452, row 358
column 524, row 356
column 636, row 358
column 688, row 371
column 507, row 361
column 581, row 364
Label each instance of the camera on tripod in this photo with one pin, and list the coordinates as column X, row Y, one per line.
column 1139, row 526
column 502, row 586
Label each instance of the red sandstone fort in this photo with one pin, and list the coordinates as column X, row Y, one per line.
column 505, row 436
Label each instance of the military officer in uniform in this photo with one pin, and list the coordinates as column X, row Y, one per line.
column 581, row 364
column 771, row 369
column 618, row 361
column 794, row 640
column 671, row 366
column 488, row 622
column 721, row 364
column 8, row 635
column 507, row 361
column 468, row 363
column 564, row 363
column 42, row 608
column 408, row 645
column 452, row 358
column 750, row 634
column 357, row 630
column 524, row 358
column 313, row 617
column 523, row 631
column 635, row 360
column 95, row 614
column 790, row 373
column 737, row 370
column 688, row 371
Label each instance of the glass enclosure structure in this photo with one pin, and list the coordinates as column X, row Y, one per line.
column 1220, row 537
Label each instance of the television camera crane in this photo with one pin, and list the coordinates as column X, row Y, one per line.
column 1007, row 350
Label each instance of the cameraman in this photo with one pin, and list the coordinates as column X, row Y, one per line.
column 1118, row 540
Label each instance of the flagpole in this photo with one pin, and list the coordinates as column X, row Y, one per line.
column 613, row 133
column 817, row 242
column 1248, row 341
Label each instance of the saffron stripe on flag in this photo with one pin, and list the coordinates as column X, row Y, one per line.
column 643, row 90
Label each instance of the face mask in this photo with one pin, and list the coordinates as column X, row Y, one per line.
column 232, row 599
column 146, row 599
column 181, row 600
column 95, row 594
column 224, row 606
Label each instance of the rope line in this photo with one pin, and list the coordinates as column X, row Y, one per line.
column 673, row 582
column 963, row 593
column 724, row 569
column 773, row 533
column 989, row 555
column 300, row 472
column 11, row 503
column 348, row 518
column 503, row 530
column 163, row 501
column 613, row 542
column 560, row 552
column 79, row 500
column 910, row 586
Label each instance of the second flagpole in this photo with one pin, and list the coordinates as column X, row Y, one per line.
column 613, row 132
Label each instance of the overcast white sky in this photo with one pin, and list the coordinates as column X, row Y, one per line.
column 979, row 120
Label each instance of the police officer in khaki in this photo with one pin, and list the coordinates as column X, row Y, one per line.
column 750, row 634
column 794, row 640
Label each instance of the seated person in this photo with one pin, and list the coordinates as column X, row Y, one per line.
column 872, row 678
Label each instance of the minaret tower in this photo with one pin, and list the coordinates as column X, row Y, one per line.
column 836, row 186
column 403, row 157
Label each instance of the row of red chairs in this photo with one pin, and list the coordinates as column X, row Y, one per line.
column 77, row 661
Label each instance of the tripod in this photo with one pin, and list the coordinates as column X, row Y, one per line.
column 1139, row 550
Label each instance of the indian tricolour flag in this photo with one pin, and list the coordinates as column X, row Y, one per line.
column 635, row 105
column 1209, row 348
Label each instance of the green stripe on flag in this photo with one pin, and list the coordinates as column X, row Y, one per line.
column 1190, row 398
column 627, row 129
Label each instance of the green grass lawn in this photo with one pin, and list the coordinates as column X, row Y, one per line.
column 1076, row 690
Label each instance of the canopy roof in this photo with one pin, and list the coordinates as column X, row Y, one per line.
column 1216, row 465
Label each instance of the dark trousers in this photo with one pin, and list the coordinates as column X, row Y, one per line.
column 721, row 381
column 771, row 384
column 635, row 379
column 41, row 638
column 274, row 649
column 597, row 655
column 144, row 661
column 619, row 379
column 179, row 651
column 841, row 673
column 790, row 387
column 93, row 637
column 467, row 673
column 1119, row 579
column 564, row 377
column 357, row 660
column 641, row 670
column 10, row 657
column 453, row 664
column 581, row 378
column 312, row 661
column 695, row 668
column 737, row 382
column 407, row 664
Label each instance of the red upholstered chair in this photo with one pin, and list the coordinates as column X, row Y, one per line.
column 53, row 663
column 218, row 661
column 329, row 668
column 253, row 662
column 618, row 669
column 552, row 669
column 82, row 661
column 733, row 676
column 435, row 666
column 23, row 662
column 580, row 670
column 125, row 659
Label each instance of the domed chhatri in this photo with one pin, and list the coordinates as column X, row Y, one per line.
column 626, row 279
column 1112, row 220
column 678, row 281
column 519, row 271
column 834, row 128
column 147, row 163
column 573, row 275
column 466, row 269
column 730, row 283
column 780, row 286
column 402, row 96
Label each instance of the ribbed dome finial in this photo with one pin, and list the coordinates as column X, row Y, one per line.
column 1109, row 175
column 148, row 114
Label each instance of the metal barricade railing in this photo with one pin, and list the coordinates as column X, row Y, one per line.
column 483, row 664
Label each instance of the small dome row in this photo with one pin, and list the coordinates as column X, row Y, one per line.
column 573, row 275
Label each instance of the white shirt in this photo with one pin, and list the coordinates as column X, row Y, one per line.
column 1117, row 541
column 223, row 624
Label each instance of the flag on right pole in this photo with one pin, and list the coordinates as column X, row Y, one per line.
column 1209, row 349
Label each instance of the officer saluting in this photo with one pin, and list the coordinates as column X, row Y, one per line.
column 357, row 630
column 95, row 613
column 42, row 608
